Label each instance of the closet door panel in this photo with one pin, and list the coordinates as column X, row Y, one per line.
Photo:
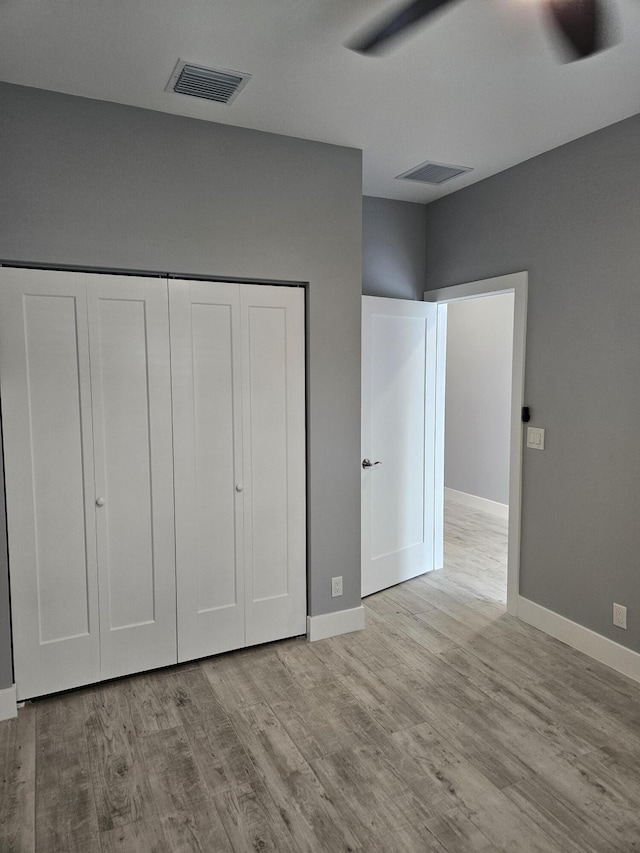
column 267, row 444
column 274, row 461
column 130, row 366
column 44, row 367
column 205, row 354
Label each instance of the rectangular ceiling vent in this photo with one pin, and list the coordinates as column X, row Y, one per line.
column 213, row 84
column 433, row 173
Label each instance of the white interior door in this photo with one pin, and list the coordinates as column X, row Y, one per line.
column 207, row 420
column 131, row 395
column 46, row 409
column 273, row 450
column 399, row 496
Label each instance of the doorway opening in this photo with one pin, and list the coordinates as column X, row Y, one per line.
column 476, row 446
column 480, row 472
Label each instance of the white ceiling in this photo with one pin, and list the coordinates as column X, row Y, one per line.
column 481, row 86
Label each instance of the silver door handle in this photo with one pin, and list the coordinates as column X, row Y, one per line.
column 367, row 463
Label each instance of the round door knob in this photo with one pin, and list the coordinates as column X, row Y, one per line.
column 100, row 502
column 239, row 487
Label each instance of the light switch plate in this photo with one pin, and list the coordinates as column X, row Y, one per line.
column 535, row 438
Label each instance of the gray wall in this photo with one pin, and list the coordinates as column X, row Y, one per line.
column 478, row 396
column 393, row 237
column 91, row 183
column 570, row 217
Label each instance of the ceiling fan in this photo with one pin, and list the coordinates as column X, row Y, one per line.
column 578, row 21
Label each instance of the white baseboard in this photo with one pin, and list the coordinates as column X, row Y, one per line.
column 8, row 703
column 333, row 624
column 602, row 649
column 475, row 502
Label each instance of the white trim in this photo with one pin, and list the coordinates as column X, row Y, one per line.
column 476, row 502
column 472, row 289
column 8, row 703
column 516, row 283
column 602, row 649
column 333, row 624
column 441, row 386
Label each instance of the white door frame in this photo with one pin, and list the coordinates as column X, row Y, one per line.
column 516, row 283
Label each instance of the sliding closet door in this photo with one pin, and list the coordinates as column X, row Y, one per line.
column 273, row 412
column 131, row 394
column 205, row 354
column 46, row 411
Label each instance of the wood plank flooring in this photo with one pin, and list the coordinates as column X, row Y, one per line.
column 445, row 726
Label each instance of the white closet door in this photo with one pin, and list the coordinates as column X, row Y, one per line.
column 205, row 355
column 273, row 410
column 131, row 394
column 46, row 409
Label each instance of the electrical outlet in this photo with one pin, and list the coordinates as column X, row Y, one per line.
column 619, row 616
column 336, row 587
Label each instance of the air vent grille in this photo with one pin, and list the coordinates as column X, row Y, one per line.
column 433, row 173
column 213, row 84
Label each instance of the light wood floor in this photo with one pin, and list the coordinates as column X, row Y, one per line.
column 445, row 726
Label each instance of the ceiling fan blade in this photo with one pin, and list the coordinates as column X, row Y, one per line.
column 580, row 22
column 396, row 23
